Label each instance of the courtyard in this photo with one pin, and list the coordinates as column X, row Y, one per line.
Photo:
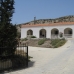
column 50, row 60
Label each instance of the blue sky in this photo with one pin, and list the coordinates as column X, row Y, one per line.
column 26, row 10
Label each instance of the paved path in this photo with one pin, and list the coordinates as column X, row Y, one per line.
column 50, row 61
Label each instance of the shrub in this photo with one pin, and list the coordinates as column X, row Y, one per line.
column 62, row 42
column 40, row 42
column 58, row 42
column 33, row 36
column 18, row 34
column 54, row 41
column 24, row 39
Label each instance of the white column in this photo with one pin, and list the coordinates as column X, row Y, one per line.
column 23, row 33
column 36, row 32
column 48, row 34
column 73, row 33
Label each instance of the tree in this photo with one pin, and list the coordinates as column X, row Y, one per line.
column 8, row 31
column 18, row 31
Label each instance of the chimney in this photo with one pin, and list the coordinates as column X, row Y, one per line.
column 34, row 20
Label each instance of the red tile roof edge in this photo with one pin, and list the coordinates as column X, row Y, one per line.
column 50, row 24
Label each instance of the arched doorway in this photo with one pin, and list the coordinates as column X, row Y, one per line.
column 29, row 33
column 68, row 33
column 54, row 33
column 42, row 33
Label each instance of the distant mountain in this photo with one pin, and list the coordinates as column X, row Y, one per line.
column 56, row 20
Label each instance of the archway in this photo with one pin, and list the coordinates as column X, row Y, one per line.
column 29, row 32
column 68, row 33
column 42, row 33
column 54, row 33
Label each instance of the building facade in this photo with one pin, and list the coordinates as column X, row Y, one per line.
column 52, row 31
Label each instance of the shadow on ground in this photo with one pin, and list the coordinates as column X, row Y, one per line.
column 1, row 73
column 30, row 64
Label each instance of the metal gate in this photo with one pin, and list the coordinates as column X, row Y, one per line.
column 17, row 61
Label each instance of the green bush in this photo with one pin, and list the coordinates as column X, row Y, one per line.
column 40, row 42
column 58, row 42
column 33, row 36
column 24, row 39
column 54, row 41
column 61, row 43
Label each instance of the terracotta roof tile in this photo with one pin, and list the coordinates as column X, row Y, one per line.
column 52, row 24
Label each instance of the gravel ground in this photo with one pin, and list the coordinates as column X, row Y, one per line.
column 50, row 60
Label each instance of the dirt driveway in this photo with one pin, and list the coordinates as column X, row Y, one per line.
column 50, row 61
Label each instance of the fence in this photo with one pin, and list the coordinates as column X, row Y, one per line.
column 14, row 61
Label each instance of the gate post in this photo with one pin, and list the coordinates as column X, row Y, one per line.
column 26, row 56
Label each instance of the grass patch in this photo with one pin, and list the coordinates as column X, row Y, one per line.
column 55, row 41
column 58, row 42
column 40, row 42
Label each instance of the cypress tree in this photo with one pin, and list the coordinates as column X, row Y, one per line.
column 8, row 31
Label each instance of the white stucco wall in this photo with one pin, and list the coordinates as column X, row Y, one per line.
column 47, row 28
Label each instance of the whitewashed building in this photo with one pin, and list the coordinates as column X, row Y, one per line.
column 52, row 30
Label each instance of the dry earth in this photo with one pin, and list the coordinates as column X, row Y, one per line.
column 34, row 42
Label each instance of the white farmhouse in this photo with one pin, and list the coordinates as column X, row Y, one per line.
column 49, row 30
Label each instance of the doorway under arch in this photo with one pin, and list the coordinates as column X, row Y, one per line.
column 42, row 33
column 29, row 33
column 54, row 33
column 68, row 32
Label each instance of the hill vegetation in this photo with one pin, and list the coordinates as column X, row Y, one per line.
column 69, row 18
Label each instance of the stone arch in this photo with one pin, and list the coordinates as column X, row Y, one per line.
column 42, row 33
column 68, row 32
column 30, row 32
column 54, row 33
